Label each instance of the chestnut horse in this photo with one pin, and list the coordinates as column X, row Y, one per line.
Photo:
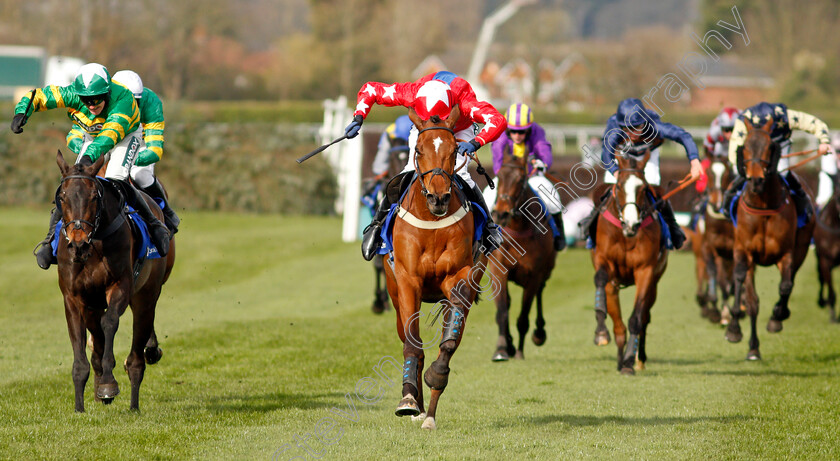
column 526, row 258
column 397, row 158
column 629, row 251
column 827, row 243
column 766, row 234
column 432, row 262
column 96, row 274
column 718, row 241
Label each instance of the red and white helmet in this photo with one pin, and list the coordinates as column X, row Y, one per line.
column 434, row 98
column 727, row 116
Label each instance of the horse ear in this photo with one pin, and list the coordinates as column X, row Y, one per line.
column 768, row 125
column 454, row 114
column 415, row 119
column 62, row 164
column 748, row 124
column 620, row 158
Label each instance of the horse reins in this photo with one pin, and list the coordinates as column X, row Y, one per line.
column 433, row 171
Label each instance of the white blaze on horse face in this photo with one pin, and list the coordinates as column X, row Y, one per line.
column 631, row 212
column 718, row 169
column 437, row 142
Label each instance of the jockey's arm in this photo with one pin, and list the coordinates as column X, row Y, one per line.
column 808, row 123
column 123, row 118
column 76, row 138
column 151, row 116
column 498, row 149
column 482, row 112
column 384, row 94
column 679, row 135
column 739, row 133
column 542, row 148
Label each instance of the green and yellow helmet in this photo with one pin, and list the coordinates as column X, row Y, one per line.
column 92, row 80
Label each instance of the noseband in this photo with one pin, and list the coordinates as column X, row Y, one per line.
column 643, row 213
column 434, row 171
column 78, row 223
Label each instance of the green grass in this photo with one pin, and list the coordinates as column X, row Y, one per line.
column 266, row 326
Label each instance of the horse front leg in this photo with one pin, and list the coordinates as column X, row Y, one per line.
column 751, row 303
column 710, row 308
column 96, row 343
column 379, row 294
column 74, row 312
column 619, row 329
column 733, row 330
column 522, row 323
column 406, row 300
column 539, row 335
column 504, row 345
column 602, row 335
column 780, row 310
column 645, row 295
column 117, row 297
column 460, row 296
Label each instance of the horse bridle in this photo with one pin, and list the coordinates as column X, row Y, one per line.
column 433, row 171
column 79, row 223
column 642, row 213
column 515, row 200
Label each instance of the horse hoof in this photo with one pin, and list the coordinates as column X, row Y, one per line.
column 639, row 366
column 107, row 401
column 628, row 371
column 419, row 418
column 519, row 355
column 429, row 423
column 377, row 307
column 107, row 392
column 774, row 326
column 501, row 355
column 153, row 355
column 733, row 336
column 602, row 338
column 704, row 312
column 538, row 337
column 407, row 406
column 753, row 355
column 714, row 316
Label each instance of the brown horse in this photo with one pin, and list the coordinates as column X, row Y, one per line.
column 99, row 278
column 397, row 158
column 718, row 241
column 827, row 242
column 528, row 256
column 629, row 251
column 766, row 234
column 432, row 262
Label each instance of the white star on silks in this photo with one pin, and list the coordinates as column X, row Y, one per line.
column 472, row 111
column 488, row 124
column 370, row 90
column 390, row 91
column 361, row 106
column 433, row 90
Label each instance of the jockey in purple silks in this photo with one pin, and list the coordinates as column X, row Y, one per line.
column 524, row 137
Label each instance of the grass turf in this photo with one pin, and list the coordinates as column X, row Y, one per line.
column 268, row 338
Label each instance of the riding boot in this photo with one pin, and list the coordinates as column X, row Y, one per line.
column 560, row 239
column 677, row 235
column 43, row 251
column 799, row 197
column 371, row 236
column 159, row 233
column 491, row 237
column 730, row 194
column 169, row 217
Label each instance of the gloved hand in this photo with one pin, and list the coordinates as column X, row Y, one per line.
column 146, row 158
column 18, row 122
column 823, row 149
column 468, row 147
column 538, row 164
column 353, row 128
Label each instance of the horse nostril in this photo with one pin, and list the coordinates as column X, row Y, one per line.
column 444, row 199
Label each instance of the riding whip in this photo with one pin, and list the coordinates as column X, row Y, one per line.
column 683, row 184
column 817, row 155
column 319, row 150
column 797, row 154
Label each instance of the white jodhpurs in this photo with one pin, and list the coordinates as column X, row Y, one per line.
column 541, row 185
column 651, row 170
column 123, row 156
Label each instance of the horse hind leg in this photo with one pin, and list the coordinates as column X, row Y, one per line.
column 602, row 335
column 522, row 323
column 380, row 296
column 504, row 345
column 781, row 311
column 733, row 329
column 152, row 352
column 539, row 335
column 752, row 304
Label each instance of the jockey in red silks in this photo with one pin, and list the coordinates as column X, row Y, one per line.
column 433, row 95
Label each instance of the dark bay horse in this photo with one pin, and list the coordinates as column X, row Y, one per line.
column 766, row 234
column 526, row 258
column 827, row 243
column 629, row 251
column 718, row 241
column 397, row 158
column 433, row 262
column 96, row 274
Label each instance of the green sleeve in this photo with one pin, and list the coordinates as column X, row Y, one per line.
column 123, row 118
column 49, row 97
column 151, row 116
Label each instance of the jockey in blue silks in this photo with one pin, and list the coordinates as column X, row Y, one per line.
column 634, row 130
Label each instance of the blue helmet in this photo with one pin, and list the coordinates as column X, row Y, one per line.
column 402, row 126
column 629, row 113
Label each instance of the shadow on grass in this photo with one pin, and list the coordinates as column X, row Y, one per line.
column 264, row 403
column 764, row 373
column 588, row 420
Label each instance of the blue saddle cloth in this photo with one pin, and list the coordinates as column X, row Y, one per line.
column 387, row 232
column 663, row 227
column 801, row 218
column 145, row 248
